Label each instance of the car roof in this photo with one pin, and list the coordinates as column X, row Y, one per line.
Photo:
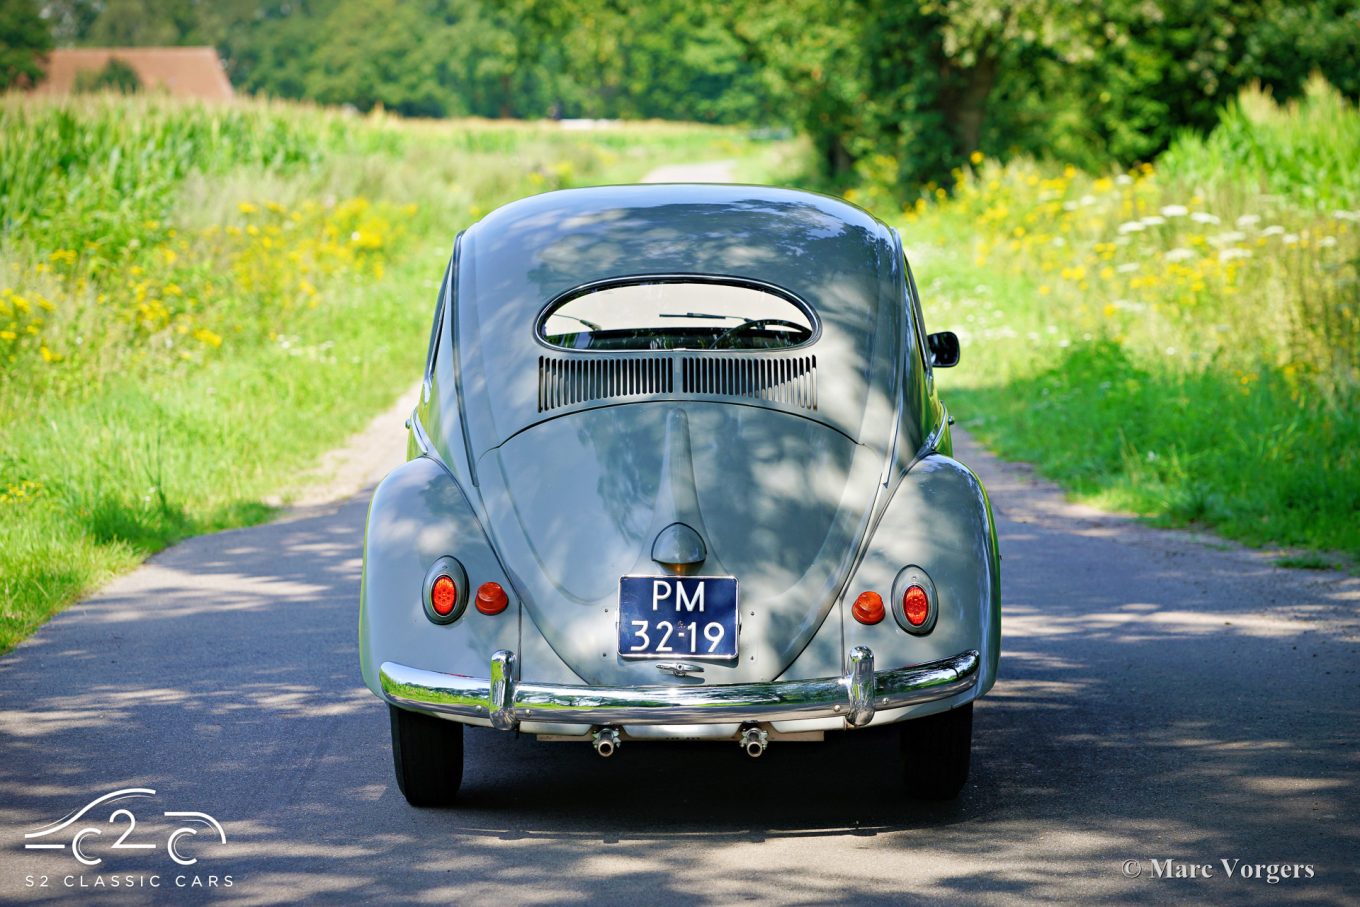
column 840, row 260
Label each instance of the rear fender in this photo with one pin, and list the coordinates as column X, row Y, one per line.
column 939, row 519
column 418, row 515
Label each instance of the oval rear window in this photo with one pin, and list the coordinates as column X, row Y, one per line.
column 677, row 315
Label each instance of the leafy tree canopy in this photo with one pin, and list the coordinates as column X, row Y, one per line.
column 899, row 91
column 24, row 38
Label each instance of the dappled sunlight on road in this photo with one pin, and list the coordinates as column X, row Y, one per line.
column 1147, row 707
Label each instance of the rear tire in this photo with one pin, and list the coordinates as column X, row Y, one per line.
column 427, row 753
column 935, row 753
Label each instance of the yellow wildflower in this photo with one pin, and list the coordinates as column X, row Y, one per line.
column 208, row 338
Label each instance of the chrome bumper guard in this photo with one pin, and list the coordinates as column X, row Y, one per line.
column 855, row 696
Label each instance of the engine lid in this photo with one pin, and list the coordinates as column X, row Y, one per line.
column 779, row 502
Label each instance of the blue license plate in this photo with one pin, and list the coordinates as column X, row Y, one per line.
column 666, row 616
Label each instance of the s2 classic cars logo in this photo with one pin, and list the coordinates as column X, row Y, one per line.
column 88, row 830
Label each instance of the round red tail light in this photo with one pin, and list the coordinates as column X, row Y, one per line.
column 491, row 598
column 868, row 608
column 444, row 595
column 916, row 605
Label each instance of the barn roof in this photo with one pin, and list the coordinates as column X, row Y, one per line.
column 185, row 72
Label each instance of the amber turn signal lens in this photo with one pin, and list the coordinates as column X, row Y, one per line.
column 868, row 608
column 444, row 595
column 491, row 598
column 915, row 605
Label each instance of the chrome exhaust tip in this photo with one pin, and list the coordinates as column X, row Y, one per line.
column 606, row 741
column 754, row 741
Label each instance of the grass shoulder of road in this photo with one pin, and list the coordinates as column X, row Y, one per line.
column 1171, row 342
column 240, row 314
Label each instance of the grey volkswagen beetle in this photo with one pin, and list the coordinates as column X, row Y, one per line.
column 679, row 471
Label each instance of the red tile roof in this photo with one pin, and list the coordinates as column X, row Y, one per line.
column 186, row 72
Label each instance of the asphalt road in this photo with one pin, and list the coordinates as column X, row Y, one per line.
column 1163, row 696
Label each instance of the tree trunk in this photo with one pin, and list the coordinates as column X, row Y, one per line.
column 964, row 100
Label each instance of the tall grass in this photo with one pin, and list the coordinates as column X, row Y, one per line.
column 1303, row 152
column 1183, row 340
column 196, row 301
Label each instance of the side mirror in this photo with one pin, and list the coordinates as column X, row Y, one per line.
column 944, row 349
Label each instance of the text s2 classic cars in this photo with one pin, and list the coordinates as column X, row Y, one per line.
column 679, row 471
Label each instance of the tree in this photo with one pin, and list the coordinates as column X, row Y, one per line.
column 116, row 75
column 25, row 40
column 142, row 23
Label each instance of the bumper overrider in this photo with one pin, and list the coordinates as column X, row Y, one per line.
column 854, row 696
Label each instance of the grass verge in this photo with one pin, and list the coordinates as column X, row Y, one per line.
column 1181, row 341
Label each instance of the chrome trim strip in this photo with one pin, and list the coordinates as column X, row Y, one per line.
column 506, row 703
column 422, row 439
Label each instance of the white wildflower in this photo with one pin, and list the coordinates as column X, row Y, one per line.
column 1180, row 254
column 1228, row 238
column 1132, row 226
column 1246, row 221
column 1153, row 220
column 1346, row 215
column 1204, row 217
column 1069, row 206
column 1230, row 254
column 1273, row 230
column 1175, row 211
column 1290, row 239
column 1123, row 179
column 1327, row 242
column 1088, row 200
column 1128, row 267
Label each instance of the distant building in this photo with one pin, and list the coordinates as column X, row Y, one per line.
column 183, row 72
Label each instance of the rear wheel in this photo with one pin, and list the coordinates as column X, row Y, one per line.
column 935, row 753
column 427, row 753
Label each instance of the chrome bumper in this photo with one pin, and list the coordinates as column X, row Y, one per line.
column 855, row 696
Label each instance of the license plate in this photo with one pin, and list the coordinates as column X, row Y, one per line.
column 693, row 616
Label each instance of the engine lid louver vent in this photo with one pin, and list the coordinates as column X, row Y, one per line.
column 790, row 381
column 566, row 382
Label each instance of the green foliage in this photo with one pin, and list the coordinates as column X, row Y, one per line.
column 895, row 93
column 1186, row 448
column 89, row 173
column 1296, row 39
column 1183, row 340
column 1306, row 151
column 24, row 39
column 115, row 75
column 524, row 58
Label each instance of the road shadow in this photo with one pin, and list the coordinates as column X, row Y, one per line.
column 1148, row 706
